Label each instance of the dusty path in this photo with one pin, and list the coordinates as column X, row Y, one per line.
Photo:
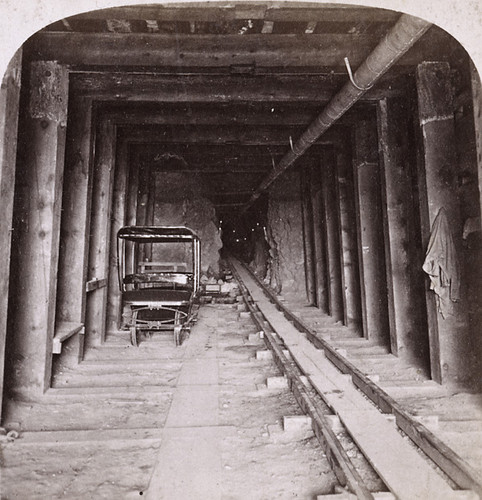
column 207, row 428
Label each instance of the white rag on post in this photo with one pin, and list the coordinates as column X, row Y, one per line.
column 441, row 264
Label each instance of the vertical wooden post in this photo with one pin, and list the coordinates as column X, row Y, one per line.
column 142, row 201
column 100, row 230
column 40, row 195
column 9, row 101
column 143, row 195
column 332, row 235
column 319, row 238
column 477, row 100
column 75, row 213
column 370, row 234
column 151, row 208
column 133, row 191
column 308, row 243
column 407, row 317
column 74, row 229
column 450, row 343
column 349, row 250
column 118, row 219
column 477, row 106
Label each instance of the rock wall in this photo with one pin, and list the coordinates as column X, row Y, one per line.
column 179, row 201
column 285, row 235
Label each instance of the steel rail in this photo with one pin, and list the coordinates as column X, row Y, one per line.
column 346, row 472
column 459, row 471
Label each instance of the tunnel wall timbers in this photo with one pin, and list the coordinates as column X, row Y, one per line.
column 448, row 349
column 406, row 310
column 9, row 113
column 451, row 345
column 38, row 207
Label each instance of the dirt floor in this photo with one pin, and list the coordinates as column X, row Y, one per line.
column 158, row 421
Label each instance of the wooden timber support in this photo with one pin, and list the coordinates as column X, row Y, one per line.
column 308, row 237
column 477, row 109
column 98, row 263
column 95, row 283
column 451, row 346
column 219, row 89
column 9, row 100
column 370, row 234
column 142, row 201
column 133, row 190
column 261, row 135
column 348, row 238
column 319, row 236
column 37, row 244
column 76, row 205
column 332, row 236
column 150, row 209
column 477, row 105
column 64, row 331
column 188, row 51
column 407, row 314
column 117, row 220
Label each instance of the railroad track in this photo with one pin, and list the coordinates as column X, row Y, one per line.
column 357, row 424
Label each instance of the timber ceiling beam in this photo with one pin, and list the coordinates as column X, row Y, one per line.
column 225, row 114
column 218, row 51
column 229, row 152
column 218, row 89
column 213, row 134
column 241, row 12
column 183, row 51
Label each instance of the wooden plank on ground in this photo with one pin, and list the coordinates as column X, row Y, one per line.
column 400, row 466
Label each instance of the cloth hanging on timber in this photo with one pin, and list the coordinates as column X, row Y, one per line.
column 441, row 264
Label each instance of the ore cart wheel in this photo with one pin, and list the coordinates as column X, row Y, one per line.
column 133, row 330
column 177, row 335
column 177, row 328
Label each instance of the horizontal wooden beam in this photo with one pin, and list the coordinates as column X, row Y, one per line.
column 235, row 12
column 209, row 171
column 217, row 51
column 211, row 159
column 183, row 51
column 95, row 283
column 227, row 134
column 64, row 331
column 217, row 152
column 284, row 114
column 220, row 89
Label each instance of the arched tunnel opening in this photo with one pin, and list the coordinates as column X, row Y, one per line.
column 331, row 152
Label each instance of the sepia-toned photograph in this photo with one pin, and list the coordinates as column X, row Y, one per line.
column 241, row 250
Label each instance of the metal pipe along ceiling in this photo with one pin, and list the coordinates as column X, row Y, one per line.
column 396, row 42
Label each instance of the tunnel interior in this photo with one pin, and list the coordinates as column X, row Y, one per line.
column 152, row 115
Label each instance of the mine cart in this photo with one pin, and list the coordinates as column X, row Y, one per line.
column 159, row 269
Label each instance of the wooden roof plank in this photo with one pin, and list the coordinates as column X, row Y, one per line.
column 263, row 12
